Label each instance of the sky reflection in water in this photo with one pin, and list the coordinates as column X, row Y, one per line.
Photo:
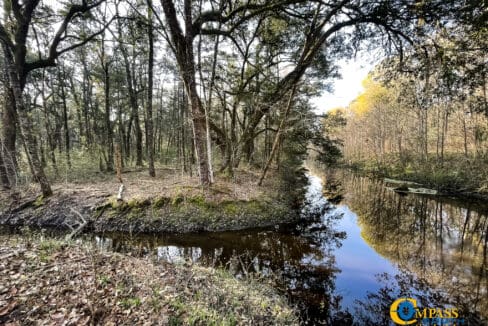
column 370, row 248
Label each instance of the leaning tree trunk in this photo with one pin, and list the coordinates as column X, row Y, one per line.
column 9, row 135
column 277, row 137
column 26, row 127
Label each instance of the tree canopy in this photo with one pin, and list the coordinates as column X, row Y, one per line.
column 205, row 84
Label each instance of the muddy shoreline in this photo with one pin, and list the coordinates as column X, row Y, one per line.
column 152, row 215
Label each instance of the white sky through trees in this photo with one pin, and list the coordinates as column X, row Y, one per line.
column 347, row 87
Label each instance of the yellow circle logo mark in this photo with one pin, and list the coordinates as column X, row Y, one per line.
column 403, row 310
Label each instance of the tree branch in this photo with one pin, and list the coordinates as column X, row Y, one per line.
column 257, row 9
column 50, row 61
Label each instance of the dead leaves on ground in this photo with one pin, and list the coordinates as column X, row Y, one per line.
column 75, row 286
column 52, row 283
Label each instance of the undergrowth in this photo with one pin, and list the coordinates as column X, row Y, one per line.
column 456, row 174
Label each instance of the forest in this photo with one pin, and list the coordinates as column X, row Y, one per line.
column 205, row 86
column 170, row 118
column 207, row 99
column 426, row 122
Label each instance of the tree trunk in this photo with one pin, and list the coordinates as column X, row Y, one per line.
column 208, row 104
column 29, row 139
column 149, row 106
column 109, row 138
column 133, row 104
column 121, row 136
column 199, row 132
column 26, row 127
column 137, row 126
column 86, row 97
column 3, row 173
column 65, row 120
column 182, row 107
column 51, row 143
column 9, row 126
column 9, row 135
column 465, row 132
column 183, row 46
column 445, row 122
column 78, row 109
column 118, row 168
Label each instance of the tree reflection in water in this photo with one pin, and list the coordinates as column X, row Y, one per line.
column 299, row 259
column 303, row 267
column 374, row 310
column 438, row 245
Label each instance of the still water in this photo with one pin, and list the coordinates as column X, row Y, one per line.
column 361, row 249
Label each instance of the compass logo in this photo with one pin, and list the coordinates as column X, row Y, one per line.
column 404, row 311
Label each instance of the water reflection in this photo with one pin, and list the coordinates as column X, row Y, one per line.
column 438, row 244
column 351, row 260
column 406, row 284
column 300, row 260
column 301, row 268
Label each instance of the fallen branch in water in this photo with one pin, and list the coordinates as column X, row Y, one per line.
column 82, row 224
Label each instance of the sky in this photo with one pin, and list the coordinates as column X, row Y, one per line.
column 346, row 88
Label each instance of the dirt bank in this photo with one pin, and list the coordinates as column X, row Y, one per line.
column 161, row 214
column 153, row 206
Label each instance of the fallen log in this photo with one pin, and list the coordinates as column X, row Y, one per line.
column 401, row 182
column 23, row 206
column 420, row 191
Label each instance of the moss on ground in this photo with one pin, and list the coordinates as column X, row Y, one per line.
column 160, row 202
column 40, row 201
column 168, row 204
column 192, row 213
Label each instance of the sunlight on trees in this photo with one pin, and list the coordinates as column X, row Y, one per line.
column 201, row 86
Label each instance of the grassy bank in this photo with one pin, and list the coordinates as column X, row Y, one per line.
column 46, row 281
column 455, row 175
column 168, row 203
column 191, row 214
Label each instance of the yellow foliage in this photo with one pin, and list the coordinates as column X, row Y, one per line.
column 336, row 111
column 374, row 94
